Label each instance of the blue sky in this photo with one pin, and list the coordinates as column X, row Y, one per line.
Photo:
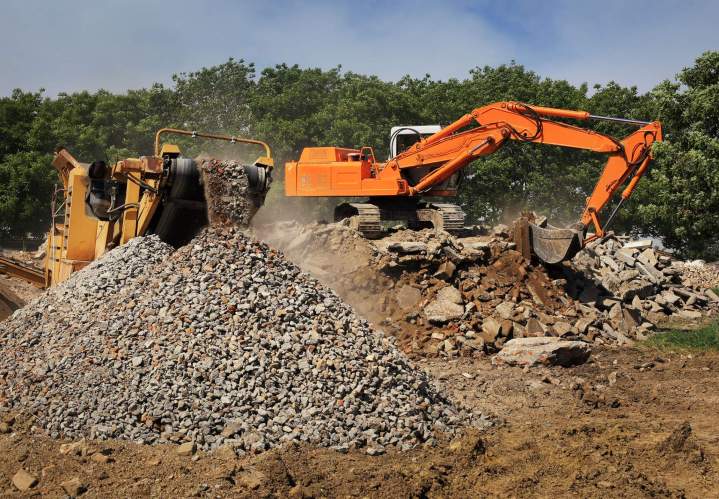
column 89, row 44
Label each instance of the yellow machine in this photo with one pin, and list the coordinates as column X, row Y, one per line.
column 103, row 207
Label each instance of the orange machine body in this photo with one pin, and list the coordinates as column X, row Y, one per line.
column 426, row 168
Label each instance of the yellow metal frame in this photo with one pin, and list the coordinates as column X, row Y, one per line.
column 265, row 160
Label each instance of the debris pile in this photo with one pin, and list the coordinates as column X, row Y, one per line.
column 442, row 295
column 646, row 282
column 221, row 342
column 698, row 274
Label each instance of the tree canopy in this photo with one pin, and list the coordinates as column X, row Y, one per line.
column 292, row 107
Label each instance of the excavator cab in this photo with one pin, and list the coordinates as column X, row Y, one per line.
column 401, row 137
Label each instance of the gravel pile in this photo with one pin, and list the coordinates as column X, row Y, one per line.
column 221, row 342
column 699, row 274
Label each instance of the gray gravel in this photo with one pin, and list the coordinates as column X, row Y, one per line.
column 222, row 341
column 230, row 201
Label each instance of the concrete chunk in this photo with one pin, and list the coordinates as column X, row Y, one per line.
column 625, row 257
column 648, row 257
column 186, row 449
column 73, row 487
column 639, row 244
column 446, row 306
column 690, row 314
column 609, row 262
column 490, row 330
column 505, row 310
column 535, row 328
column 546, row 351
column 654, row 275
column 445, row 270
column 407, row 247
column 23, row 480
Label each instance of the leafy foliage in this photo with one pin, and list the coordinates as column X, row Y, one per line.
column 680, row 202
column 292, row 108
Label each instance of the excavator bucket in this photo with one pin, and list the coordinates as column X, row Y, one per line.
column 553, row 245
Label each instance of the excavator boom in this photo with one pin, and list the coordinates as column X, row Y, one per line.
column 428, row 167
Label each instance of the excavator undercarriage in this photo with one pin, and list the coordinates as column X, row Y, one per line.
column 368, row 217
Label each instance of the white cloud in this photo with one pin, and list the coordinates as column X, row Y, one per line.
column 86, row 44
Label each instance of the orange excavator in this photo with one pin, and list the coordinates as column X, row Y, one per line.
column 432, row 165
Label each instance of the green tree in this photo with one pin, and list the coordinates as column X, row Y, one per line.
column 215, row 99
column 26, row 184
column 16, row 116
column 679, row 202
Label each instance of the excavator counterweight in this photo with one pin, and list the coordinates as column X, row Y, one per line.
column 431, row 167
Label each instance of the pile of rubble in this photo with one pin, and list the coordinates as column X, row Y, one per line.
column 644, row 281
column 222, row 342
column 699, row 274
column 448, row 296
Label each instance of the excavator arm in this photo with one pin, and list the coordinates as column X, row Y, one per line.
column 450, row 150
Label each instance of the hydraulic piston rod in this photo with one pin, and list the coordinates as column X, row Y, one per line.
column 628, row 121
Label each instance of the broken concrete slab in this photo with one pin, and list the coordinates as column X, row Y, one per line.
column 547, row 351
column 505, row 310
column 648, row 257
column 490, row 330
column 625, row 257
column 445, row 270
column 535, row 328
column 562, row 328
column 639, row 244
column 446, row 306
column 407, row 247
column 690, row 314
column 654, row 275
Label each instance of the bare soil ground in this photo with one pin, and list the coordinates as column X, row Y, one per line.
column 633, row 422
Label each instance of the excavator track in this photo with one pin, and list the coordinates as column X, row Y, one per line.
column 367, row 218
column 443, row 216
